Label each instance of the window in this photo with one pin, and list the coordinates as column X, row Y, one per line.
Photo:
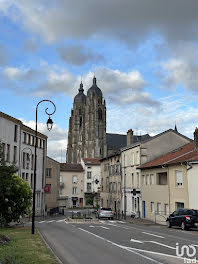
column 89, row 187
column 32, row 162
column 15, row 154
column 8, row 153
column 143, row 179
column 132, row 179
column 24, row 137
column 107, row 184
column 133, row 158
column 151, row 179
column 28, row 161
column 26, row 176
column 99, row 114
column 3, row 150
column 179, row 205
column 32, row 140
column 38, row 199
column 110, row 186
column 166, row 209
column 48, row 172
column 152, row 207
column 15, row 133
column 138, row 179
column 29, row 139
column 137, row 158
column 74, row 179
column 89, row 175
column 158, row 208
column 162, row 178
column 23, row 176
column 179, row 178
column 147, row 179
column 74, row 190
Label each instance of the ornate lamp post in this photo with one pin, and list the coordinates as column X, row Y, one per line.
column 49, row 127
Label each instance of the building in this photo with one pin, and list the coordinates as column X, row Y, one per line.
column 136, row 154
column 87, row 125
column 110, row 195
column 169, row 182
column 18, row 143
column 71, row 193
column 52, row 184
column 92, row 181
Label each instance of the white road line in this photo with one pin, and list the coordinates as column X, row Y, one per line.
column 160, row 244
column 120, row 246
column 112, row 221
column 152, row 235
column 62, row 220
column 42, row 222
column 118, row 226
column 136, row 241
column 102, row 221
column 91, row 226
column 121, row 222
column 50, row 221
column 105, row 227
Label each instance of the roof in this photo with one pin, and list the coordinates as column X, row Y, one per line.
column 118, row 141
column 71, row 167
column 80, row 97
column 149, row 138
column 182, row 154
column 52, row 159
column 94, row 89
column 111, row 155
column 91, row 161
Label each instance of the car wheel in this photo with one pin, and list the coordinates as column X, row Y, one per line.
column 183, row 226
column 169, row 224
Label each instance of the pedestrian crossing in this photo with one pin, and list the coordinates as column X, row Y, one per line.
column 110, row 222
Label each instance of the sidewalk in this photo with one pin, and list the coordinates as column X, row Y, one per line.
column 140, row 221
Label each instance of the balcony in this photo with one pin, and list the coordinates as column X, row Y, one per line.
column 61, row 184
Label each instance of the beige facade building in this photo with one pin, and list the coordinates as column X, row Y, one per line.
column 52, row 183
column 167, row 183
column 135, row 154
column 110, row 195
column 71, row 194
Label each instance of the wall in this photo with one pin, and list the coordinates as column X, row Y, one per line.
column 192, row 175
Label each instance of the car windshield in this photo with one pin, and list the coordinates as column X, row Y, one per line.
column 105, row 209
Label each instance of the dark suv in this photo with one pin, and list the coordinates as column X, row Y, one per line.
column 185, row 218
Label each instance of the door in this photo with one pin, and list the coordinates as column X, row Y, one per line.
column 81, row 202
column 115, row 207
column 144, row 209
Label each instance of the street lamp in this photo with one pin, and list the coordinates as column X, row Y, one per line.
column 49, row 127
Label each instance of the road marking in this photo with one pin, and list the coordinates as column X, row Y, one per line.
column 118, row 226
column 121, row 222
column 42, row 222
column 160, row 244
column 50, row 221
column 133, row 250
column 102, row 221
column 136, row 241
column 91, row 226
column 152, row 235
column 122, row 247
column 112, row 221
column 62, row 220
column 105, row 227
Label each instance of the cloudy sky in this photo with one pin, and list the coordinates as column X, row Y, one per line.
column 142, row 52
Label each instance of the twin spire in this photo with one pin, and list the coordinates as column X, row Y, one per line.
column 81, row 90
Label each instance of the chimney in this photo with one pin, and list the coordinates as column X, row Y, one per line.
column 129, row 137
column 196, row 138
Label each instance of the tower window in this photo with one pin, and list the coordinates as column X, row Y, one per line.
column 99, row 114
column 80, row 112
column 80, row 121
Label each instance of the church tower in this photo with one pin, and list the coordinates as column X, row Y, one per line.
column 87, row 125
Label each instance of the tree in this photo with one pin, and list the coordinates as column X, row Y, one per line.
column 15, row 193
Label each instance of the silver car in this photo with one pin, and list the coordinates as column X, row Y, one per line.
column 105, row 213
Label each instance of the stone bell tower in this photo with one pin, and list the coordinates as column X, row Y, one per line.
column 87, row 125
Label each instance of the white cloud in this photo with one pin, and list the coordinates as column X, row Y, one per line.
column 20, row 74
column 131, row 20
column 57, row 139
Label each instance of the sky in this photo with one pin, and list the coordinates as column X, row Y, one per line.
column 142, row 52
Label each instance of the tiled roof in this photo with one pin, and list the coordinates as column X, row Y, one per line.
column 182, row 154
column 71, row 167
column 92, row 161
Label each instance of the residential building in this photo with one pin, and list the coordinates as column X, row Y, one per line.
column 92, row 181
column 174, row 182
column 18, row 143
column 71, row 193
column 136, row 154
column 110, row 195
column 52, row 184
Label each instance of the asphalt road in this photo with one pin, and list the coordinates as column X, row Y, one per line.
column 115, row 242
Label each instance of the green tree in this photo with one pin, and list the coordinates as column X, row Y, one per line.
column 15, row 193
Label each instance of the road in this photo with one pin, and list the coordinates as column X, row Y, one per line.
column 114, row 242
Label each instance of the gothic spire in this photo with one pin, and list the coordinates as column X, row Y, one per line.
column 176, row 127
column 81, row 88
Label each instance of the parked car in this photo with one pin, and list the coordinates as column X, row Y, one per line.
column 185, row 218
column 105, row 213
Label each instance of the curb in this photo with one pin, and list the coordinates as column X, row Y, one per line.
column 48, row 246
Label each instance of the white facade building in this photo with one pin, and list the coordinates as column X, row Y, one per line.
column 18, row 143
column 92, row 179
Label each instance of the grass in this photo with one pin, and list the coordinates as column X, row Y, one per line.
column 24, row 248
